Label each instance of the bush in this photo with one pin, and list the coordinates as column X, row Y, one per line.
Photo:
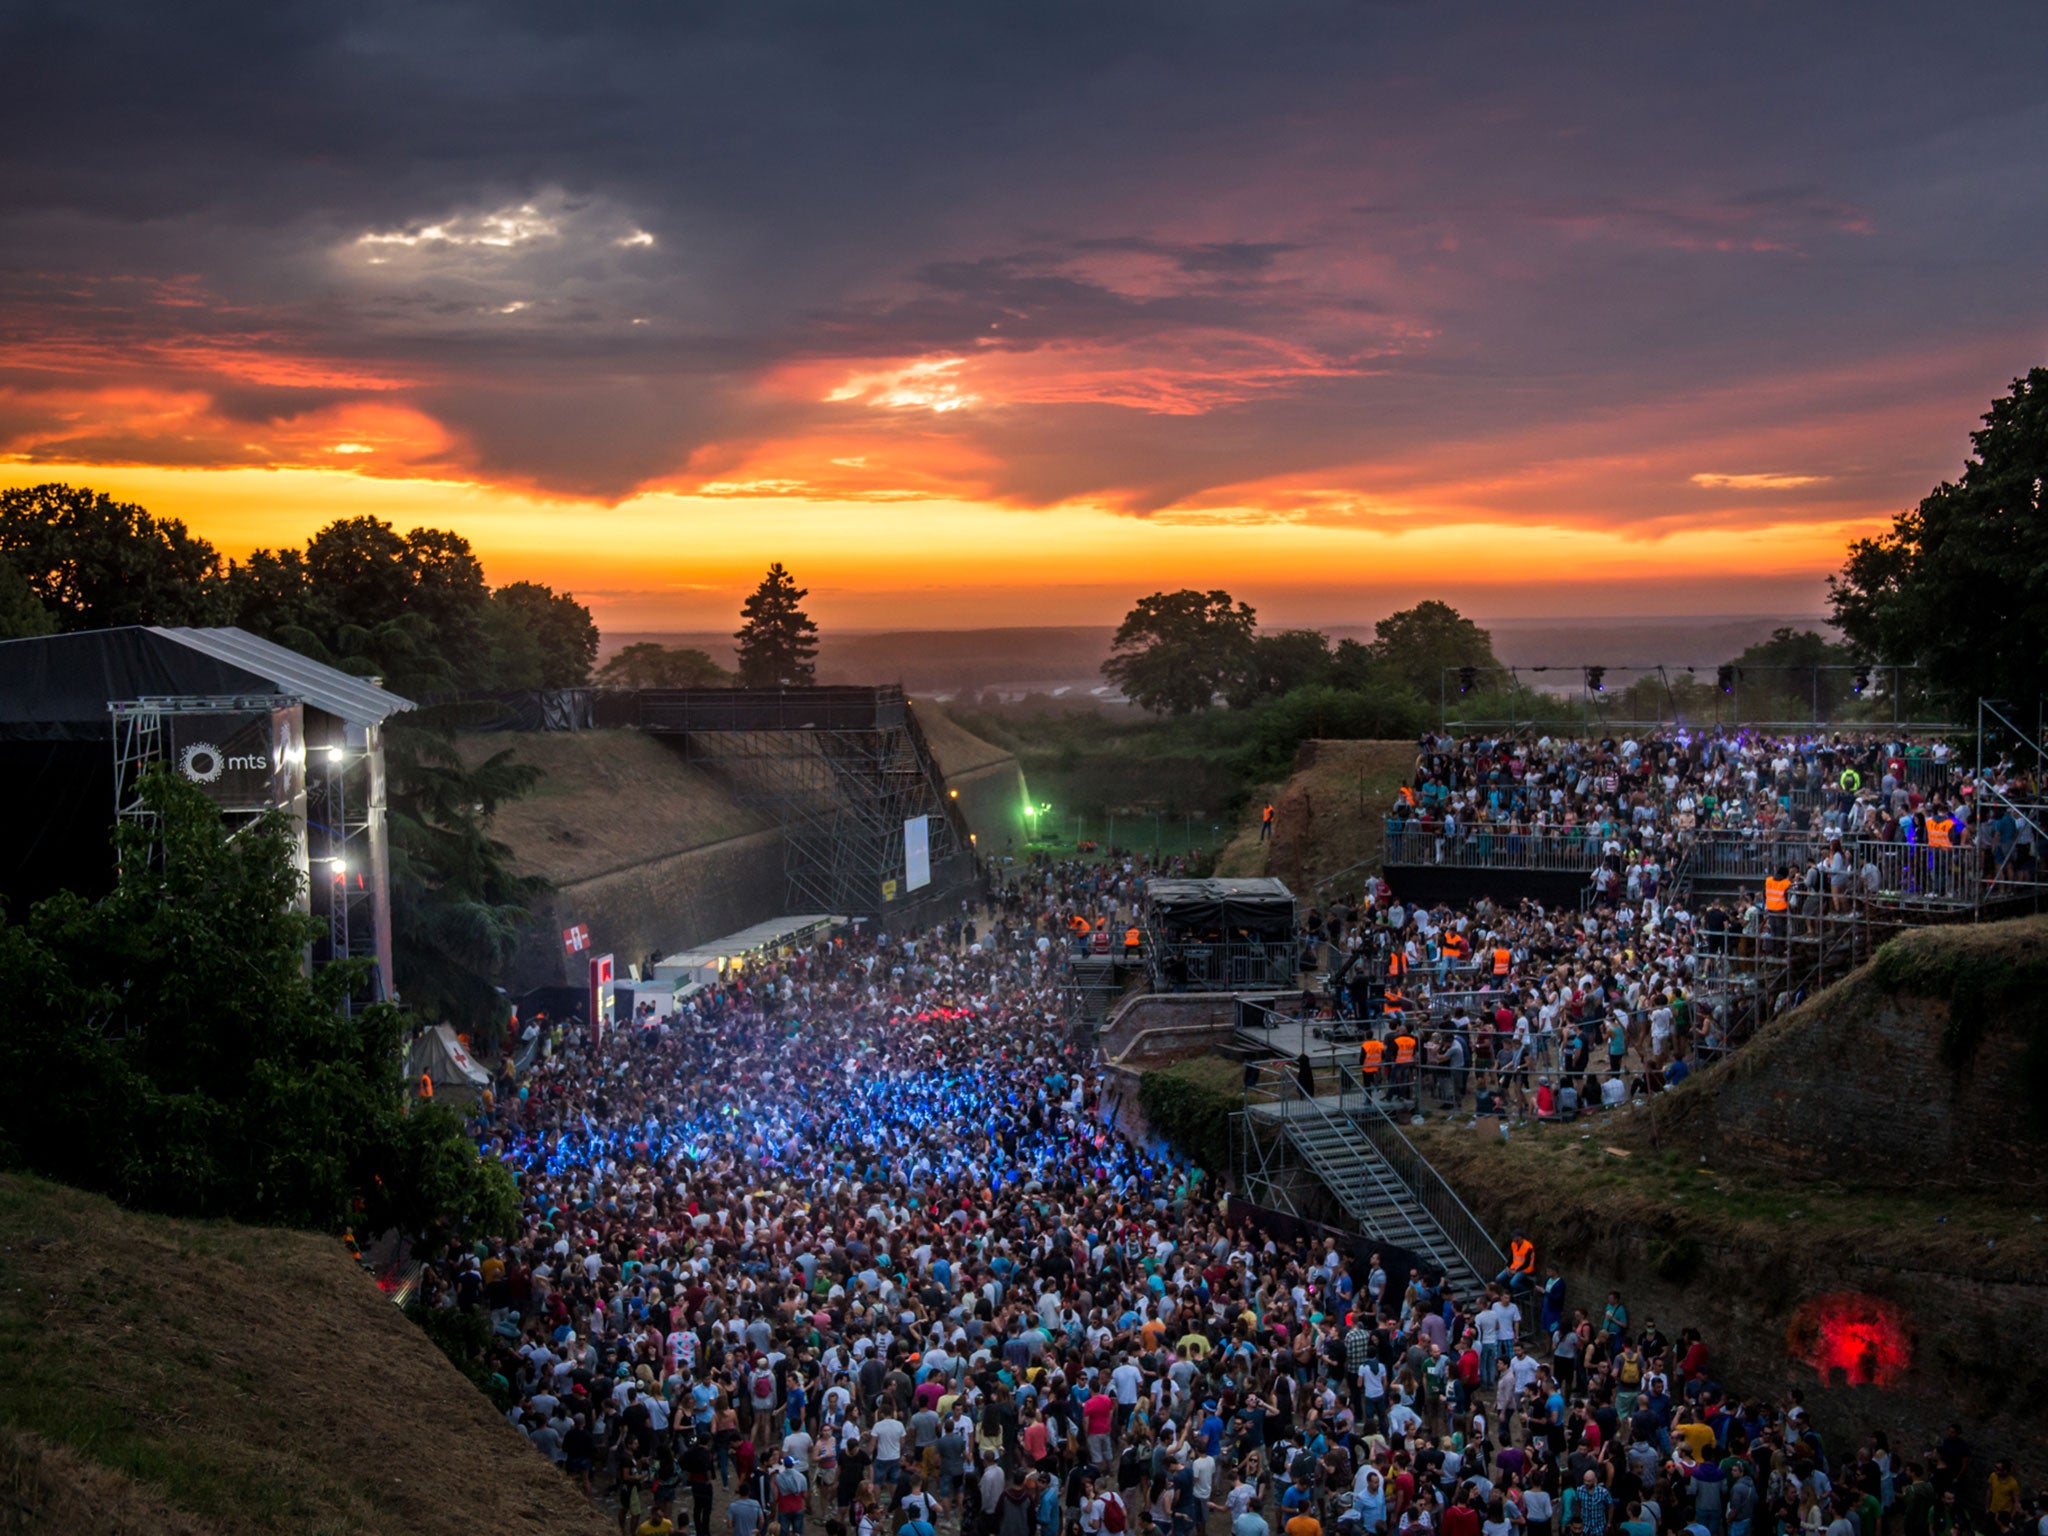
column 1190, row 1104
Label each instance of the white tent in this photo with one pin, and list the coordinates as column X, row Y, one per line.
column 445, row 1059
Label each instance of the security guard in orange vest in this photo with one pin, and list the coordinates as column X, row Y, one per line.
column 1521, row 1270
column 1404, row 1060
column 1940, row 830
column 426, row 1085
column 1370, row 1055
column 1778, row 892
column 1265, row 823
column 1503, row 957
column 1132, row 939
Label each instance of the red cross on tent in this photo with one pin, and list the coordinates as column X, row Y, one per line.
column 576, row 938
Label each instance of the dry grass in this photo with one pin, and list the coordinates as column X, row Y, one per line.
column 1329, row 818
column 610, row 800
column 958, row 749
column 202, row 1377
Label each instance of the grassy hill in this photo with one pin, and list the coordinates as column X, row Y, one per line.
column 177, row 1378
column 1329, row 817
column 1875, row 1153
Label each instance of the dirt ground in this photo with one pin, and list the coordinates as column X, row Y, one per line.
column 1329, row 818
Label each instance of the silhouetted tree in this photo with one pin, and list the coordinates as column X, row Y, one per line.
column 1176, row 651
column 93, row 562
column 777, row 640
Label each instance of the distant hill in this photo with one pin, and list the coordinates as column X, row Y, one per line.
column 1066, row 661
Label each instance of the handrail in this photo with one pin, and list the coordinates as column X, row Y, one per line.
column 1431, row 1188
column 1292, row 1094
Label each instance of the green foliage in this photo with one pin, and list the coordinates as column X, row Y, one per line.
column 1281, row 662
column 1960, row 583
column 1190, row 1104
column 22, row 615
column 1176, row 651
column 538, row 638
column 1983, row 985
column 92, row 562
column 1415, row 645
column 778, row 643
column 644, row 664
column 1379, row 712
column 457, row 905
column 464, row 1336
column 1787, row 670
column 164, row 1045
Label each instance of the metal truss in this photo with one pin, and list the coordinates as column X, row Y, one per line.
column 841, row 781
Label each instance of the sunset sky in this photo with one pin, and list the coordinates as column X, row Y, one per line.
column 1006, row 314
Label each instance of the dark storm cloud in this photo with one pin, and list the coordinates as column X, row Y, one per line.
column 1451, row 220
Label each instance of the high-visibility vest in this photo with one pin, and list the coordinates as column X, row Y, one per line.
column 1267, row 815
column 1502, row 959
column 1776, row 895
column 1851, row 780
column 1370, row 1055
column 1404, row 1049
column 1397, row 963
column 1938, row 831
column 426, row 1085
column 1523, row 1257
column 1131, row 937
column 1394, row 1001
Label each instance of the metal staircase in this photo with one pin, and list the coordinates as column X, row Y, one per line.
column 1359, row 1155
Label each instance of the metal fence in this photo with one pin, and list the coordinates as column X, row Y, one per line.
column 1488, row 845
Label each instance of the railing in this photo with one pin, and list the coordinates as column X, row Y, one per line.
column 1275, row 1083
column 1466, row 1231
column 1488, row 845
column 1224, row 966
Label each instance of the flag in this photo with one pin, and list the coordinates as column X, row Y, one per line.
column 576, row 938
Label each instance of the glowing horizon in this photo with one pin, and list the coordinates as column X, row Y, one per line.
column 1319, row 314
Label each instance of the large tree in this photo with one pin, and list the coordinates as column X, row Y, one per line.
column 93, row 562
column 1415, row 645
column 165, row 1045
column 409, row 608
column 777, row 640
column 1959, row 586
column 22, row 614
column 539, row 638
column 457, row 903
column 1176, row 651
column 1281, row 662
column 646, row 664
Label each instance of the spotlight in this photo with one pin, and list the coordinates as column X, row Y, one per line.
column 1862, row 678
column 1725, row 677
column 1467, row 676
column 1596, row 679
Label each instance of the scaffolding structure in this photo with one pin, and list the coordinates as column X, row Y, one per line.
column 842, row 771
column 330, row 792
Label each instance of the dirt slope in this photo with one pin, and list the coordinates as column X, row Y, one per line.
column 181, row 1377
column 1329, row 818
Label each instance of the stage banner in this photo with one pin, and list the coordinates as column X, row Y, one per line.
column 250, row 761
column 917, row 853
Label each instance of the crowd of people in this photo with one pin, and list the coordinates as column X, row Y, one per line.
column 843, row 1245
column 1632, row 805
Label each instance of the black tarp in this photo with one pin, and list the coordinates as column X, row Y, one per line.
column 1260, row 906
column 57, row 687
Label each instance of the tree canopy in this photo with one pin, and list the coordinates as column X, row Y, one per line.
column 645, row 664
column 22, row 614
column 165, row 1046
column 1176, row 651
column 778, row 643
column 93, row 562
column 457, row 904
column 1415, row 645
column 1959, row 586
column 538, row 638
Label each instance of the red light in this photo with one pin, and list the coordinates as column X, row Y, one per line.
column 1867, row 1340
